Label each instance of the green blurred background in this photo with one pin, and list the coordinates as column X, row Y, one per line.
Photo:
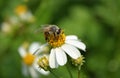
column 95, row 22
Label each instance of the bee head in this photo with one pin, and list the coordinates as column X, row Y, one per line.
column 51, row 29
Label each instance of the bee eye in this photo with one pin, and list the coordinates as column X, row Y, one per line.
column 58, row 32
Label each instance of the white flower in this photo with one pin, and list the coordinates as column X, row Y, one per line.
column 71, row 46
column 6, row 27
column 24, row 14
column 61, row 45
column 27, row 17
column 9, row 25
column 29, row 59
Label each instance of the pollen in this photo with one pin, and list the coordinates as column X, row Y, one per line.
column 29, row 59
column 20, row 9
column 57, row 41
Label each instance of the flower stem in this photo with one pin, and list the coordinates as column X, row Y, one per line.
column 78, row 73
column 79, row 68
column 54, row 74
column 69, row 71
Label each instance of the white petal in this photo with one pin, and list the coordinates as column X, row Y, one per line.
column 52, row 59
column 71, row 51
column 22, row 51
column 73, row 37
column 43, row 71
column 42, row 48
column 33, row 73
column 60, row 56
column 33, row 47
column 77, row 44
column 24, row 70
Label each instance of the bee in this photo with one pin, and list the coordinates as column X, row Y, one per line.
column 51, row 31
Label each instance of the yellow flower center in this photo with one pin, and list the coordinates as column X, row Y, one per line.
column 28, row 59
column 20, row 9
column 56, row 40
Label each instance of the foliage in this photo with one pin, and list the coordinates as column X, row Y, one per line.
column 95, row 22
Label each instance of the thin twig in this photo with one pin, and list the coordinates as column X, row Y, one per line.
column 78, row 73
column 79, row 68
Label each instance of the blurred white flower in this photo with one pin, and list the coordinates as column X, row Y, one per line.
column 9, row 25
column 13, row 20
column 28, row 67
column 62, row 44
column 24, row 14
column 6, row 27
